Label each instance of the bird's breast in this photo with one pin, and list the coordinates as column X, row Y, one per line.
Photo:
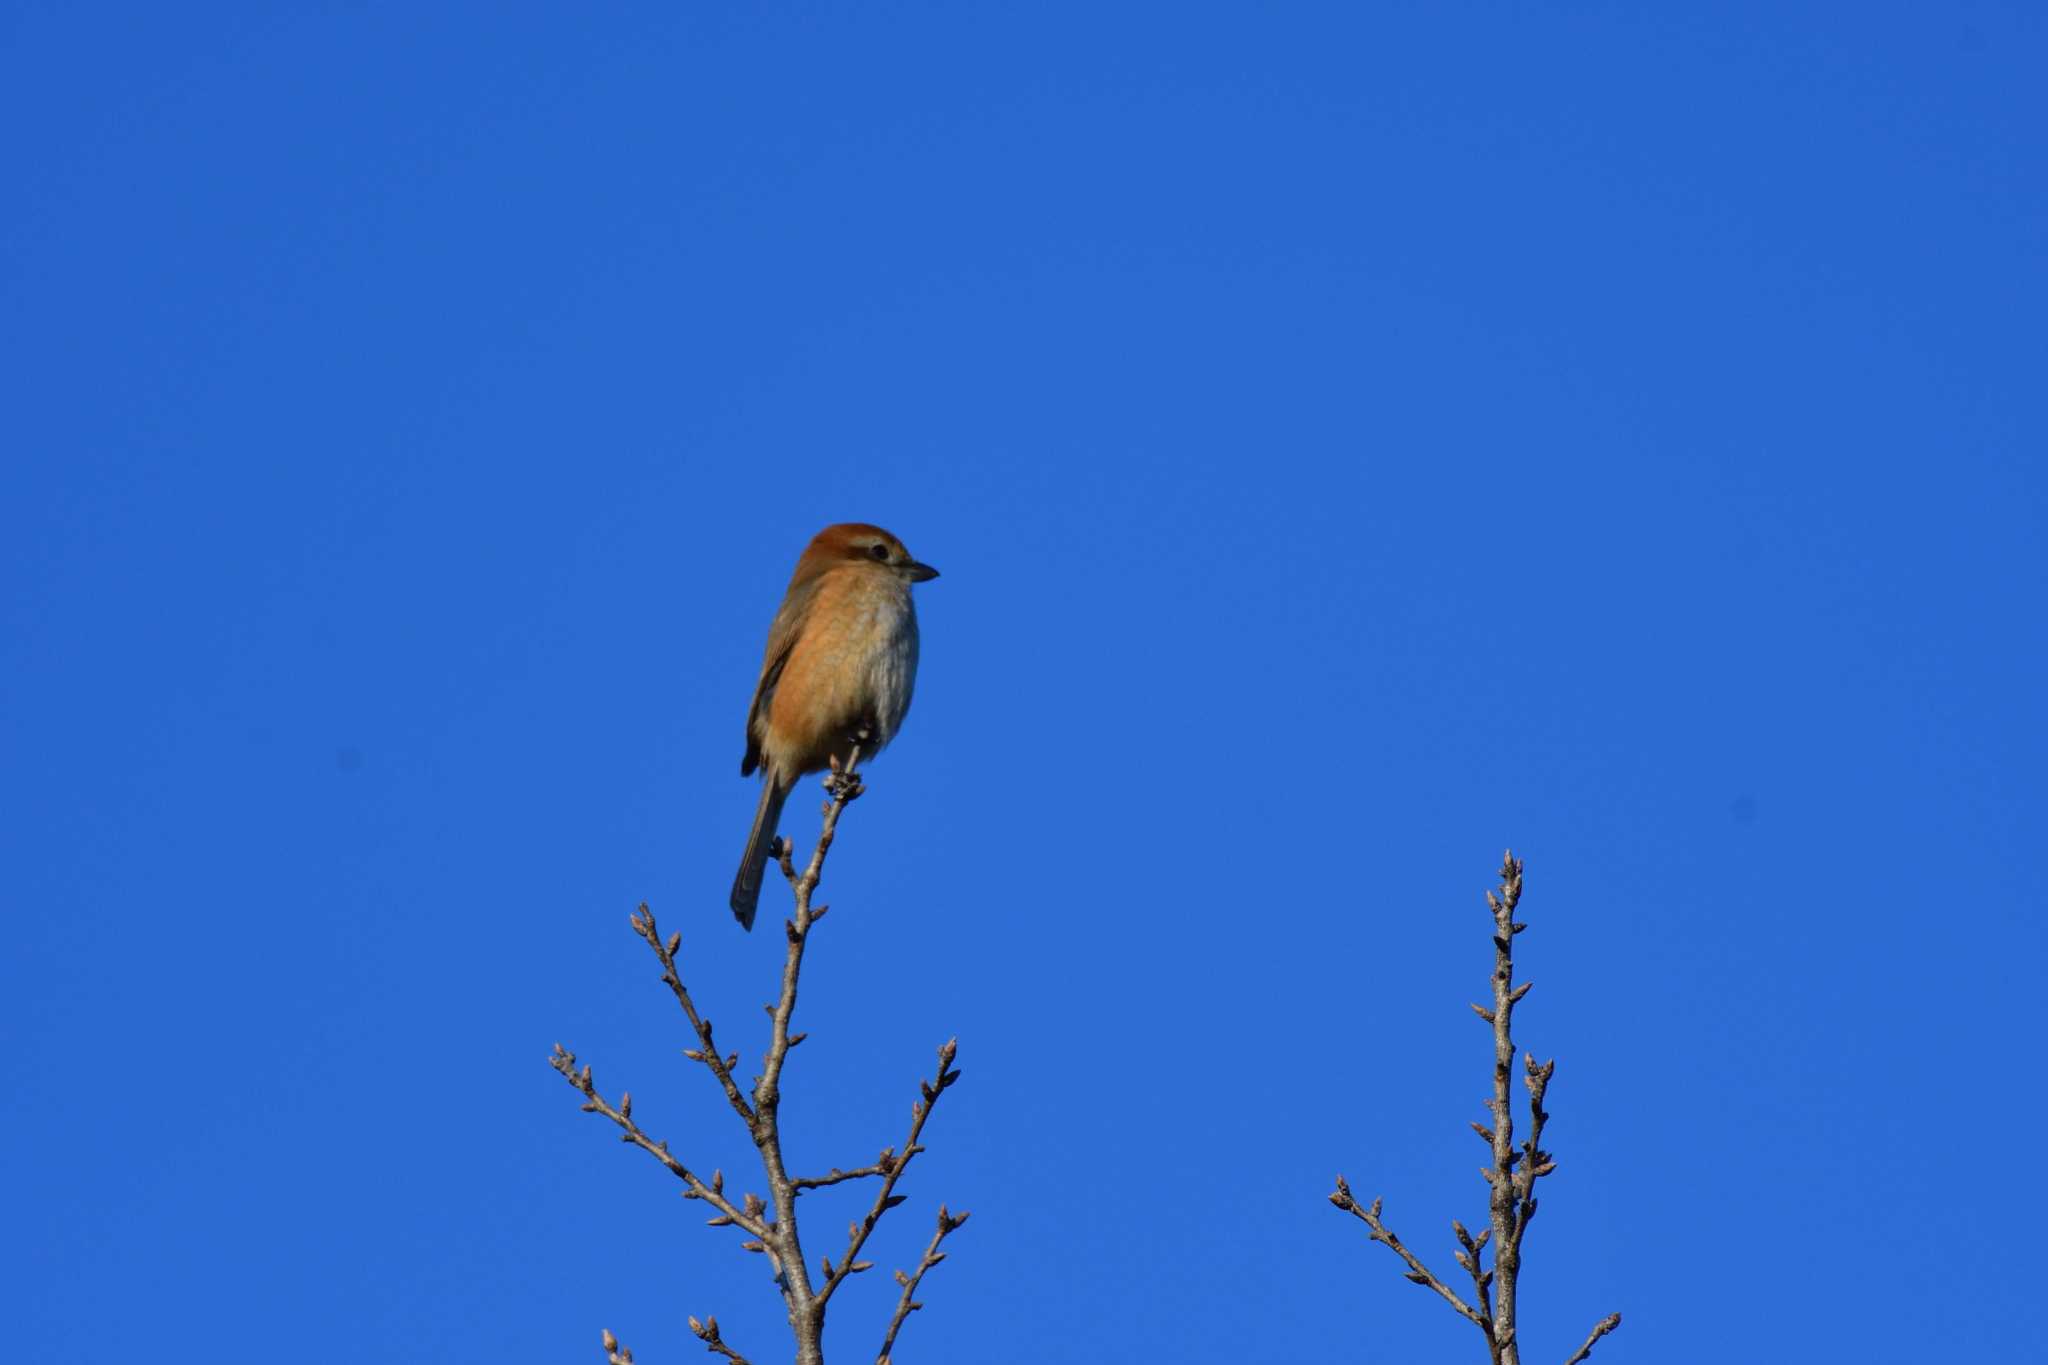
column 854, row 664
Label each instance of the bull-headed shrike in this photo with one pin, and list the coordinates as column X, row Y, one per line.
column 836, row 678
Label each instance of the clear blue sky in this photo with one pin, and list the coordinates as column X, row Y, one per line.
column 1356, row 439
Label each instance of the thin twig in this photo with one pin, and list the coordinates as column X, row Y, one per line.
column 839, row 1177
column 771, row 1223
column 906, row 1304
column 1600, row 1329
column 1418, row 1273
column 1511, row 1172
column 621, row 1114
column 1471, row 1255
column 806, row 1307
column 707, row 1332
column 707, row 1050
column 886, row 1198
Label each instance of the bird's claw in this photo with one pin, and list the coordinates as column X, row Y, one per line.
column 843, row 781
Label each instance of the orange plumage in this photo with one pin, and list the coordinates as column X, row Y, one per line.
column 838, row 671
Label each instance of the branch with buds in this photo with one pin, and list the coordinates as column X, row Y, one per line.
column 1511, row 1172
column 907, row 1303
column 770, row 1223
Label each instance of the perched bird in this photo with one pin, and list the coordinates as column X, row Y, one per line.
column 840, row 663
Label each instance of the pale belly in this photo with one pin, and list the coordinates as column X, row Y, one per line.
column 855, row 665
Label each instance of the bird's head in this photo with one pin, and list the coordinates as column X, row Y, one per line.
column 857, row 543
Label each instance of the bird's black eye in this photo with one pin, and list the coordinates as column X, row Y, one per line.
column 878, row 551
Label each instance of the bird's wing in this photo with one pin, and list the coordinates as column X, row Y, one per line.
column 782, row 638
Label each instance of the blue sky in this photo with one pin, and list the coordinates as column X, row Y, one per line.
column 1356, row 439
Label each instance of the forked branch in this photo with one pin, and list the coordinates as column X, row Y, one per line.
column 1511, row 1172
column 770, row 1223
column 907, row 1303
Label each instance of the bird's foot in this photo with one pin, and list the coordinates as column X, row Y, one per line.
column 843, row 782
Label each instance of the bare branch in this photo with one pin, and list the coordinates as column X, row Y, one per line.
column 1472, row 1256
column 706, row 1050
column 771, row 1223
column 621, row 1114
column 1505, row 1198
column 707, row 1332
column 907, row 1303
column 886, row 1198
column 1511, row 1172
column 1418, row 1273
column 1600, row 1329
column 806, row 1308
column 615, row 1354
column 839, row 1177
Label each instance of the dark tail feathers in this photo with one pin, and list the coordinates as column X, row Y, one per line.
column 746, row 887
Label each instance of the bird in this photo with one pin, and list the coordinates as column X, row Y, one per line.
column 836, row 677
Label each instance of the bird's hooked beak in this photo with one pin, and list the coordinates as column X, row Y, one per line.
column 920, row 573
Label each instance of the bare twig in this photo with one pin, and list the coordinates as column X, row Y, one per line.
column 615, row 1354
column 1418, row 1273
column 707, row 1332
column 706, row 1050
column 1600, row 1329
column 907, row 1303
column 839, row 1177
column 1511, row 1173
column 771, row 1223
column 1508, row 1201
column 806, row 1306
column 896, row 1163
column 1471, row 1256
column 564, row 1061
